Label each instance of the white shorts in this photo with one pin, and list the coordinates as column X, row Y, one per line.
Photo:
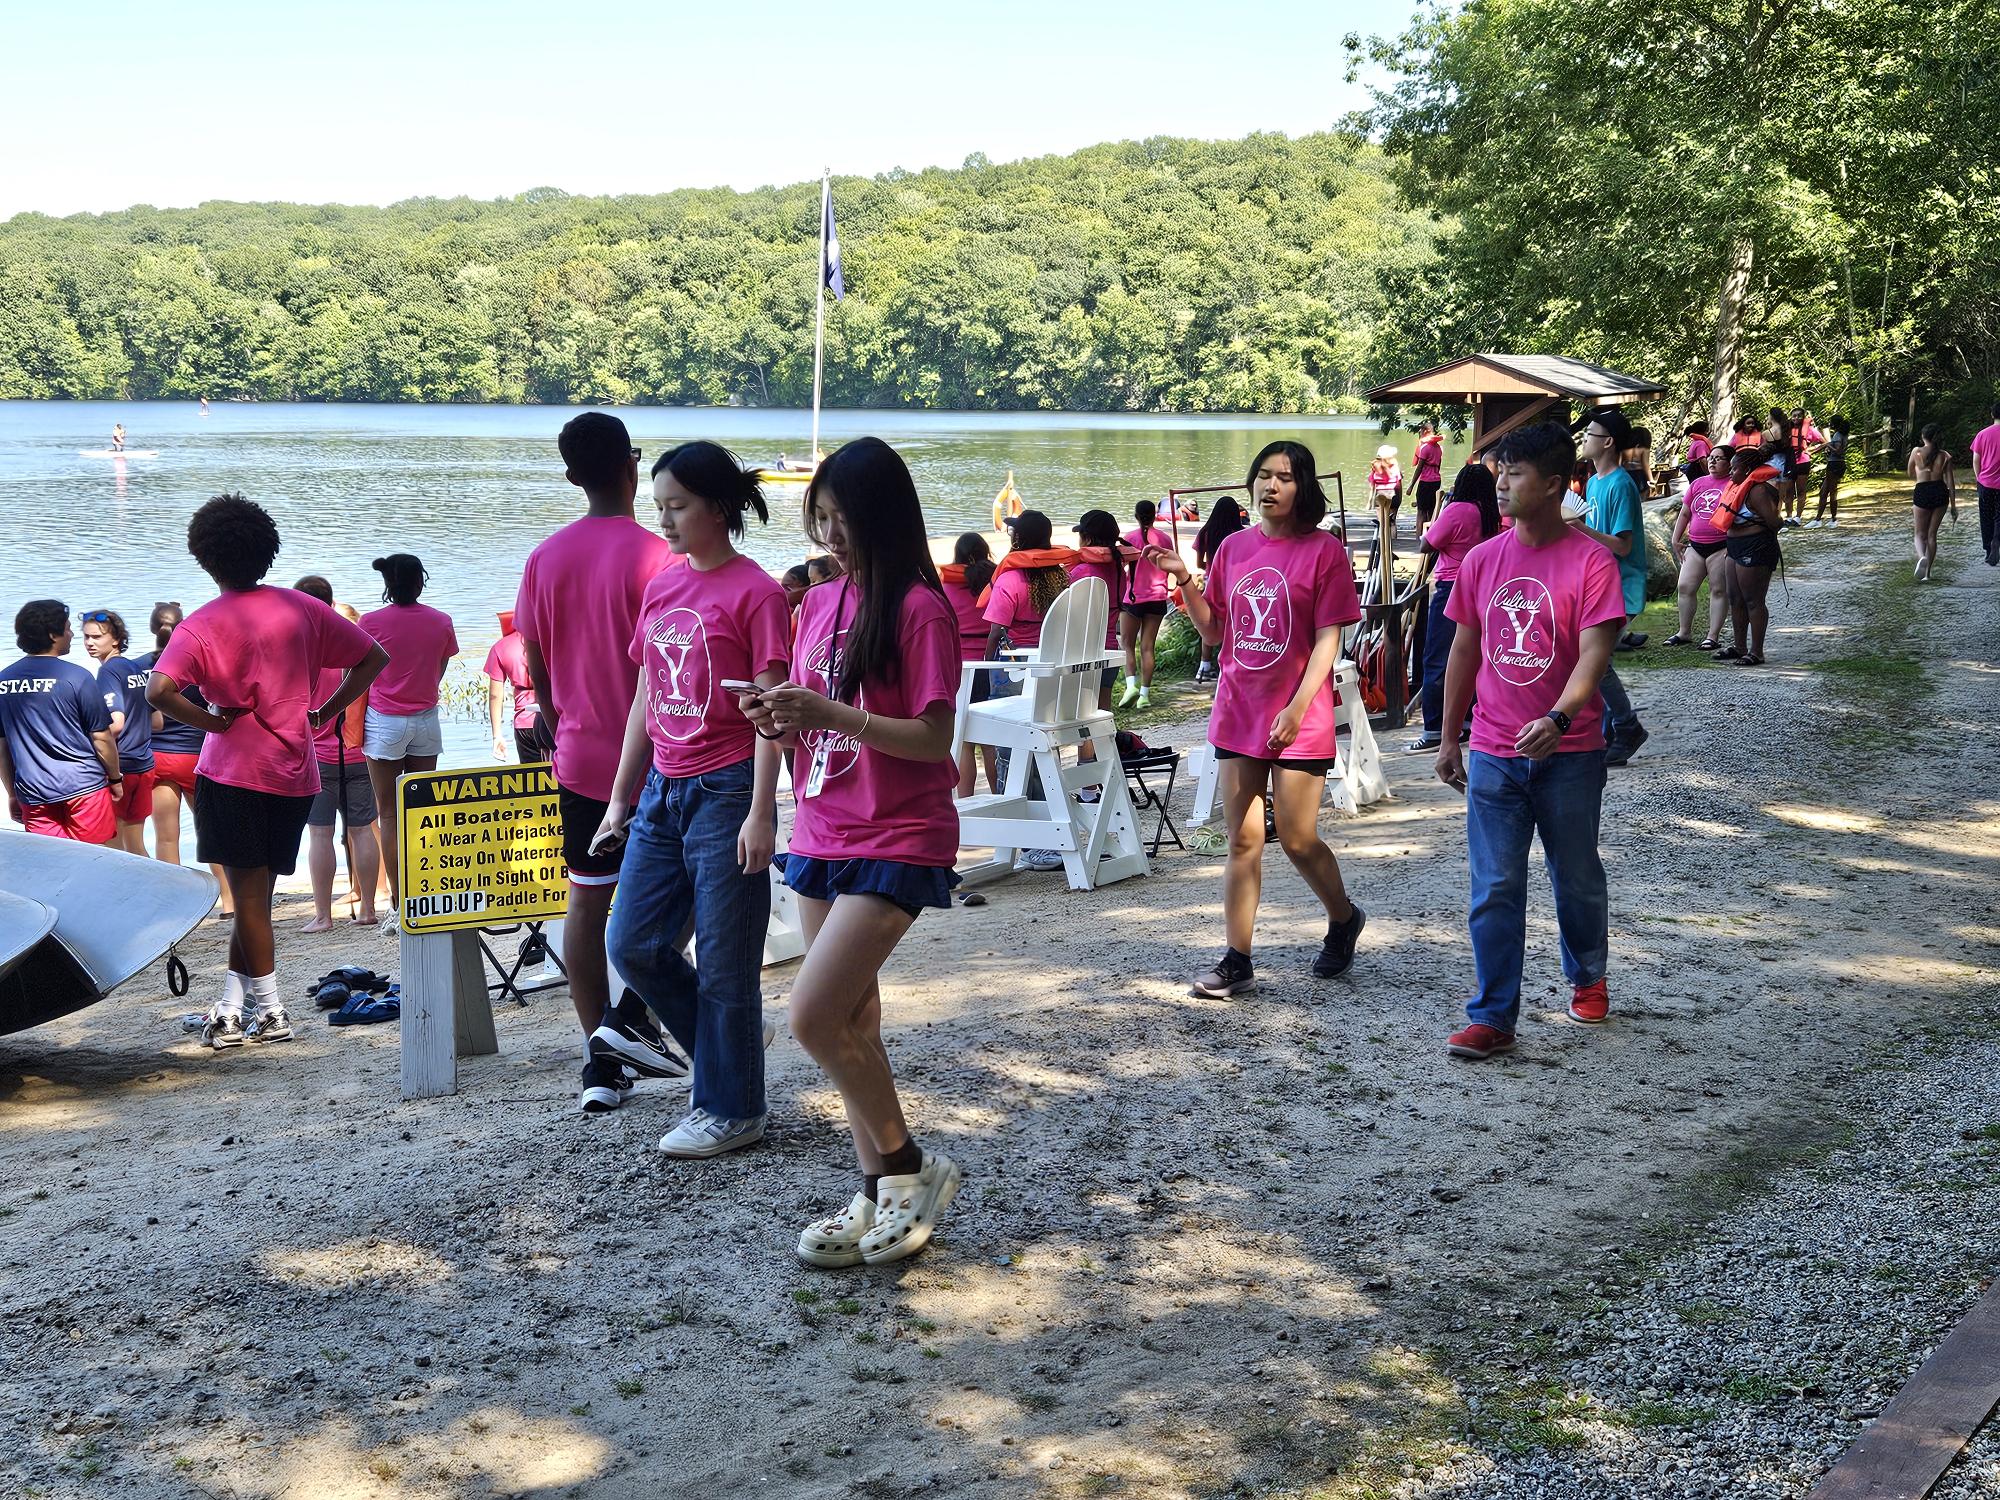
column 398, row 736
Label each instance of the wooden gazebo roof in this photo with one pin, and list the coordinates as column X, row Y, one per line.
column 1510, row 390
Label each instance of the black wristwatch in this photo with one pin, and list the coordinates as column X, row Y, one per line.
column 1562, row 719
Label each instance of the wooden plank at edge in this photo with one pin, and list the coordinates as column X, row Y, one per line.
column 1906, row 1449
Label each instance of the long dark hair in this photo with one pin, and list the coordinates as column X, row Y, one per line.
column 1933, row 434
column 1145, row 513
column 1226, row 519
column 1474, row 486
column 1310, row 507
column 1032, row 530
column 712, row 472
column 887, row 554
column 403, row 577
column 971, row 553
column 1099, row 528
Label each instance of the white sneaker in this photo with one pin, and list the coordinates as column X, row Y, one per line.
column 222, row 1029
column 1042, row 859
column 836, row 1241
column 390, row 927
column 704, row 1134
column 907, row 1210
column 271, row 1025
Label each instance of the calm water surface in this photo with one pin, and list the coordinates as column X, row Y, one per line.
column 472, row 489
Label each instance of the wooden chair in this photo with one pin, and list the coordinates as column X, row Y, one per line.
column 1056, row 711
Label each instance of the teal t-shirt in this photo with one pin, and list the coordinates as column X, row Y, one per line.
column 1612, row 506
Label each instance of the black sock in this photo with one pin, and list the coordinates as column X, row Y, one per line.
column 1232, row 959
column 905, row 1160
column 869, row 1183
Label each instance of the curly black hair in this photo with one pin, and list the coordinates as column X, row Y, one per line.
column 234, row 539
column 39, row 623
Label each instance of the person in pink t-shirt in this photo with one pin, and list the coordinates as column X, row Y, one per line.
column 1142, row 608
column 694, row 803
column 1276, row 597
column 1099, row 528
column 506, row 671
column 1020, row 597
column 1703, row 552
column 255, row 653
column 1428, row 465
column 1469, row 517
column 968, row 575
column 1538, row 610
column 1986, row 484
column 402, row 730
column 869, row 705
column 578, row 602
column 346, row 796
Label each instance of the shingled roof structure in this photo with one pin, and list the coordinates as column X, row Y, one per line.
column 1507, row 391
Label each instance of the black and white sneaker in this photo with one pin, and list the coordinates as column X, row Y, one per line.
column 605, row 1085
column 1232, row 975
column 628, row 1036
column 271, row 1025
column 1336, row 954
column 220, row 1031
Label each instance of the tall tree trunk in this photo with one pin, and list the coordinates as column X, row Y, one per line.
column 1729, row 336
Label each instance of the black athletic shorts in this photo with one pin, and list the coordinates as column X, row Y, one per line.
column 581, row 818
column 1706, row 549
column 1310, row 767
column 244, row 830
column 1932, row 494
column 1427, row 495
column 1156, row 608
column 1757, row 549
column 528, row 745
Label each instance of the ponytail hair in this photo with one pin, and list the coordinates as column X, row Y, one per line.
column 972, row 553
column 1145, row 513
column 403, row 577
column 712, row 472
column 1933, row 434
column 166, row 615
column 1099, row 528
column 1032, row 532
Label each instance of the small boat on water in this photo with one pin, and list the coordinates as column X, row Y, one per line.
column 787, row 471
column 117, row 453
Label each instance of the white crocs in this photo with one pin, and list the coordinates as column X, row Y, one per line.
column 907, row 1210
column 836, row 1241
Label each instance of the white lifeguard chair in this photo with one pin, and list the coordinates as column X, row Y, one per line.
column 1357, row 778
column 1056, row 712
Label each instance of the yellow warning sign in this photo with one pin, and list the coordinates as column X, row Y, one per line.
column 480, row 847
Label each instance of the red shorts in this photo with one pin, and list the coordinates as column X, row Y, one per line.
column 135, row 804
column 175, row 768
column 87, row 819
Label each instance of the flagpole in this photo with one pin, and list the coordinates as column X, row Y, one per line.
column 819, row 310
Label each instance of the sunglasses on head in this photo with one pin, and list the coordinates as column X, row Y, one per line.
column 96, row 617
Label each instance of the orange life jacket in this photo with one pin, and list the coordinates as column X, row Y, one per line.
column 1735, row 499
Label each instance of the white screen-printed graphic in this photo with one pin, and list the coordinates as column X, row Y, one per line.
column 678, row 679
column 1260, row 618
column 831, row 753
column 1519, row 631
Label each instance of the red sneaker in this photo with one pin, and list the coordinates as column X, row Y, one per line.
column 1589, row 1004
column 1479, row 1041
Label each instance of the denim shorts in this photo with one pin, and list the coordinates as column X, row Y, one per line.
column 911, row 887
column 399, row 736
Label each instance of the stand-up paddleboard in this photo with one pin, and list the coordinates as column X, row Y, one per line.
column 117, row 453
column 80, row 958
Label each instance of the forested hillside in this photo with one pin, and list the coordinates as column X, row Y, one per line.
column 1163, row 275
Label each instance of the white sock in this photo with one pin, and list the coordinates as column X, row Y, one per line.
column 234, row 986
column 264, row 992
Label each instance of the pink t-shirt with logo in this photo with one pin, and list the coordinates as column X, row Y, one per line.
column 1531, row 606
column 1010, row 604
column 871, row 805
column 972, row 626
column 508, row 663
column 1700, row 501
column 578, row 603
column 1274, row 595
column 1104, row 572
column 697, row 628
column 418, row 640
column 1986, row 457
column 1429, row 460
column 1146, row 584
column 260, row 650
column 1453, row 533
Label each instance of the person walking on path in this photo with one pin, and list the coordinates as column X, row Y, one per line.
column 1936, row 491
column 869, row 704
column 1141, row 608
column 403, row 731
column 695, row 803
column 1538, row 608
column 58, row 753
column 1832, row 469
column 577, row 607
column 346, row 796
column 1986, row 479
column 1612, row 517
column 256, row 652
column 1469, row 517
column 507, row 670
column 123, row 683
column 1277, row 597
column 1703, row 553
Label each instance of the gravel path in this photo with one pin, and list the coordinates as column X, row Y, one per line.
column 1205, row 1248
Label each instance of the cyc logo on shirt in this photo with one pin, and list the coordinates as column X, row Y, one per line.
column 678, row 681
column 823, row 664
column 1260, row 618
column 1519, row 630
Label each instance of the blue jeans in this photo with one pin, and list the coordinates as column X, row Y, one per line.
column 1619, row 715
column 1439, row 631
column 1508, row 800
column 680, row 871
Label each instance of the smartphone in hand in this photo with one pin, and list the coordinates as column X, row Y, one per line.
column 741, row 688
column 607, row 840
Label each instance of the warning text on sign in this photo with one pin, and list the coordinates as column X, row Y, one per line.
column 480, row 848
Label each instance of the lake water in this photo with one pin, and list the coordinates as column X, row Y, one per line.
column 472, row 489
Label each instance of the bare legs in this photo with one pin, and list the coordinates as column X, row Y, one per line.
column 836, row 1012
column 1295, row 804
column 131, row 837
column 1829, row 497
column 252, row 949
column 167, row 823
column 363, row 871
column 1695, row 570
column 583, row 951
column 1928, row 519
column 1718, row 593
column 1748, row 615
column 382, row 776
column 1139, row 635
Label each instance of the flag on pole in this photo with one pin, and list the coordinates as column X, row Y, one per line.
column 829, row 244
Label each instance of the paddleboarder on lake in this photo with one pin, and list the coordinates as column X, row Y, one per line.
column 117, row 437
